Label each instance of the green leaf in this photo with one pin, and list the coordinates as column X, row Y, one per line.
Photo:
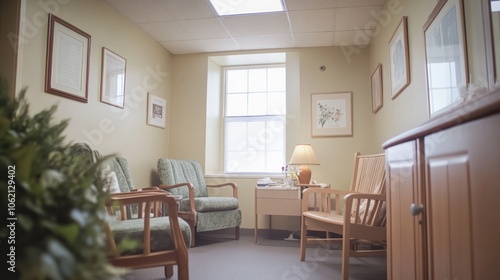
column 23, row 159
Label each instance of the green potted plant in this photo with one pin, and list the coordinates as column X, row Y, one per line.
column 54, row 210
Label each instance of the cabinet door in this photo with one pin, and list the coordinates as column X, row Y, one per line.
column 404, row 230
column 463, row 190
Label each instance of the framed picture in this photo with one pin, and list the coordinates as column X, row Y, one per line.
column 331, row 114
column 399, row 59
column 113, row 73
column 68, row 56
column 491, row 24
column 377, row 100
column 445, row 54
column 157, row 109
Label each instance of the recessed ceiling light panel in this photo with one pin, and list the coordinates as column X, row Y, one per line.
column 239, row 7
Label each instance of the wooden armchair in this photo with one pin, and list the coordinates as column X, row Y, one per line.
column 363, row 218
column 184, row 178
column 163, row 241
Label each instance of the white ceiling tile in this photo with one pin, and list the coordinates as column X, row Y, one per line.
column 183, row 47
column 255, row 25
column 141, row 11
column 265, row 42
column 312, row 20
column 320, row 39
column 192, row 26
column 343, row 38
column 204, row 28
column 358, row 3
column 356, row 18
column 189, row 9
column 165, row 31
column 293, row 5
column 218, row 45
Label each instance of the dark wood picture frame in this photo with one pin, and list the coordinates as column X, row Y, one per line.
column 68, row 60
column 399, row 57
column 377, row 94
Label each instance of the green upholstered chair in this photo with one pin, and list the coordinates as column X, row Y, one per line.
column 185, row 179
column 162, row 240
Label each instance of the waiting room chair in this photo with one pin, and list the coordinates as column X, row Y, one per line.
column 185, row 179
column 135, row 215
column 363, row 218
column 162, row 241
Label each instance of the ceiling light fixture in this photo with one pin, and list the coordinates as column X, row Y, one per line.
column 240, row 7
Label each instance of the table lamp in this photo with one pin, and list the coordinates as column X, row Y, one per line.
column 304, row 155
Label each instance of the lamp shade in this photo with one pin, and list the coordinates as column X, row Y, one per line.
column 303, row 154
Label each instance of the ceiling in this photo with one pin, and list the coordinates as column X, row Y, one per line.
column 193, row 26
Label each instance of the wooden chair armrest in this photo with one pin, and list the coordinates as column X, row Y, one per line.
column 363, row 216
column 134, row 193
column 152, row 188
column 233, row 185
column 149, row 199
column 190, row 187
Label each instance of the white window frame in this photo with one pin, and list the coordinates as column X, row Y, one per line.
column 268, row 117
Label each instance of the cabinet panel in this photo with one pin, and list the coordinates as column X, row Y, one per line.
column 404, row 230
column 463, row 190
column 449, row 211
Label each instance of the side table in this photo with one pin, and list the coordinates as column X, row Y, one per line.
column 284, row 201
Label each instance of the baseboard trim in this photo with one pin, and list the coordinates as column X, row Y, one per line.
column 229, row 232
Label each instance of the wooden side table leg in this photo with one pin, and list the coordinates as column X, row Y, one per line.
column 270, row 227
column 256, row 228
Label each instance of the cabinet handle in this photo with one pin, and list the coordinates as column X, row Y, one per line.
column 416, row 209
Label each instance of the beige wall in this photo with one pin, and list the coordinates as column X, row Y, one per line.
column 106, row 128
column 188, row 122
column 125, row 131
column 410, row 108
column 9, row 26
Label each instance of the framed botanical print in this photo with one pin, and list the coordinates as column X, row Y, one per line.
column 399, row 59
column 376, row 81
column 331, row 114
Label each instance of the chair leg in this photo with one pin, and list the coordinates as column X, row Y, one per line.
column 237, row 233
column 169, row 271
column 303, row 239
column 346, row 250
column 193, row 235
column 183, row 270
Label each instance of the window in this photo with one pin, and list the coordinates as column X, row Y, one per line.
column 254, row 119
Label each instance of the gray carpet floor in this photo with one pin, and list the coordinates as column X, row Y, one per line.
column 228, row 259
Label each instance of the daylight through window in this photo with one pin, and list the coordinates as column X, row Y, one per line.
column 255, row 119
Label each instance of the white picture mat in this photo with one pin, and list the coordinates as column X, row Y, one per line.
column 157, row 109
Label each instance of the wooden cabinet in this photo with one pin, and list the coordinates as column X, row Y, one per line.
column 404, row 230
column 450, row 170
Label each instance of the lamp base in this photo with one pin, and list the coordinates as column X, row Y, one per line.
column 304, row 175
